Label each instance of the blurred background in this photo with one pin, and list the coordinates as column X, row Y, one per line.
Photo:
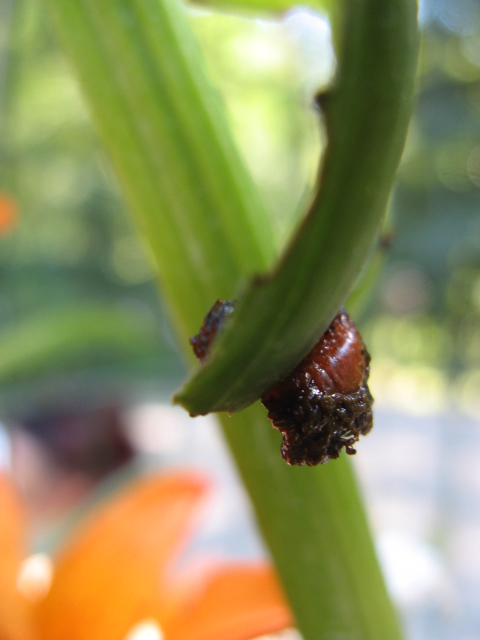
column 87, row 358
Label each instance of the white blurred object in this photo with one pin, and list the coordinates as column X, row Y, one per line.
column 5, row 450
column 35, row 577
column 414, row 571
column 287, row 634
column 145, row 630
column 312, row 37
column 157, row 428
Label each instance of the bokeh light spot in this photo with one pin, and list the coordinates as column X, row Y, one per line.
column 145, row 630
column 35, row 577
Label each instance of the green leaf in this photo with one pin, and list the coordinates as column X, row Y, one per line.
column 57, row 340
column 281, row 316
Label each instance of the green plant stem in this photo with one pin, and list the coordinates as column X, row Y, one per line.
column 313, row 522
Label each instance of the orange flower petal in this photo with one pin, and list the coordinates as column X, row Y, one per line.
column 109, row 578
column 14, row 611
column 239, row 603
column 114, row 581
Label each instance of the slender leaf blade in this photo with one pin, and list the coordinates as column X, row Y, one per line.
column 167, row 134
column 57, row 339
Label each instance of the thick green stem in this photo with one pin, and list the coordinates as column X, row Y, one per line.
column 166, row 133
column 313, row 522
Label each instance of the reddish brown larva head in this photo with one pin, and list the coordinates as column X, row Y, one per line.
column 339, row 360
column 324, row 404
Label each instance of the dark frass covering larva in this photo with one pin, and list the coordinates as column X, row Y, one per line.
column 324, row 404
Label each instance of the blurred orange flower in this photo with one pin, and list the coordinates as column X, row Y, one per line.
column 14, row 610
column 8, row 213
column 117, row 578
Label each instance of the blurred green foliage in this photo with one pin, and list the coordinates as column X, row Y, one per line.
column 73, row 257
column 75, row 244
column 426, row 310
